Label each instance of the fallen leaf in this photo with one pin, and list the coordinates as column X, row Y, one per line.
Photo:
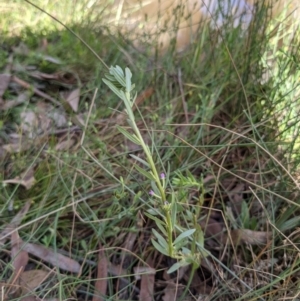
column 30, row 122
column 30, row 280
column 65, row 144
column 19, row 256
column 72, row 99
column 140, row 271
column 170, row 292
column 215, row 235
column 250, row 237
column 102, row 273
column 147, row 282
column 26, row 179
column 54, row 258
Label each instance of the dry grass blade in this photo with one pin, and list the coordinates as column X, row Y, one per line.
column 54, row 258
column 102, row 272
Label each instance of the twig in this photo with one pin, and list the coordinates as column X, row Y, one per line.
column 35, row 90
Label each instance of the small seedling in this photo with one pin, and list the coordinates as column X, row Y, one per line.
column 188, row 245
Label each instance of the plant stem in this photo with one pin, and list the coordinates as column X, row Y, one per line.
column 159, row 185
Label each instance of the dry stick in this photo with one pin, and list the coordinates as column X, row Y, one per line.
column 35, row 90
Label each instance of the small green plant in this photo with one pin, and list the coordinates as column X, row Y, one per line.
column 188, row 245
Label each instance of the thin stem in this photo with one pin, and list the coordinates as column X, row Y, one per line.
column 159, row 185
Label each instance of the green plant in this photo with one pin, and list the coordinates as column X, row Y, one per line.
column 188, row 246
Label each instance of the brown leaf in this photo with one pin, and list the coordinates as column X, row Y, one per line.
column 30, row 280
column 250, row 237
column 14, row 223
column 170, row 293
column 214, row 230
column 72, row 99
column 65, row 144
column 140, row 271
column 19, row 256
column 26, row 179
column 54, row 258
column 147, row 282
column 102, row 272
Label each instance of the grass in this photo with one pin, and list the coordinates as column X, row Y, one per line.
column 209, row 119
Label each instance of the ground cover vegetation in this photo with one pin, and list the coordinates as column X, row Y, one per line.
column 128, row 173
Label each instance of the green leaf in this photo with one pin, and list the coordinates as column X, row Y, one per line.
column 147, row 174
column 186, row 251
column 154, row 187
column 140, row 160
column 114, row 88
column 159, row 248
column 160, row 239
column 151, row 212
column 177, row 266
column 119, row 75
column 151, row 215
column 128, row 76
column 290, row 223
column 161, row 228
column 119, row 70
column 199, row 235
column 159, row 223
column 183, row 235
column 128, row 135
